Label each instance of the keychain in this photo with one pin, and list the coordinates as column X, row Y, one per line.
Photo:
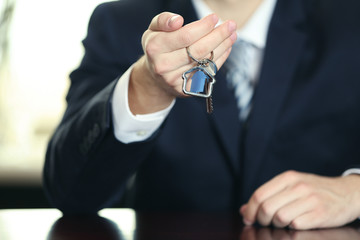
column 199, row 80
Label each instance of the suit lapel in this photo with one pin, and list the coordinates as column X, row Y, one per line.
column 284, row 46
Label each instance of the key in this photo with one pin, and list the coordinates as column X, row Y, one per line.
column 212, row 69
column 209, row 105
column 208, row 100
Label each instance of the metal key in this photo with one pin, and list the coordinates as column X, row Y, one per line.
column 209, row 105
column 211, row 67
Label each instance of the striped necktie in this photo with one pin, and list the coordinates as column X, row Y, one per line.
column 241, row 76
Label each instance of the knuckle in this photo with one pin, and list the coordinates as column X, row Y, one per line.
column 291, row 175
column 158, row 69
column 302, row 187
column 258, row 197
column 266, row 208
column 151, row 48
column 295, row 224
column 315, row 200
column 281, row 217
column 161, row 66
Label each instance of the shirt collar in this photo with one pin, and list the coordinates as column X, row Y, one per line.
column 255, row 30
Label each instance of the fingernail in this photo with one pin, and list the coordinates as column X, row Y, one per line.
column 173, row 19
column 232, row 26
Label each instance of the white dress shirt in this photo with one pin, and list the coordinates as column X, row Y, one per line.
column 130, row 128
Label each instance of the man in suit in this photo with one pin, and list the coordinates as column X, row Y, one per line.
column 280, row 165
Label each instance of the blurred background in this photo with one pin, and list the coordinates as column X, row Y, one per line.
column 40, row 44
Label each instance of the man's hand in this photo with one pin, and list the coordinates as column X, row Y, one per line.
column 304, row 201
column 156, row 77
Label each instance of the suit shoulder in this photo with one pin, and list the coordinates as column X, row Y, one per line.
column 342, row 11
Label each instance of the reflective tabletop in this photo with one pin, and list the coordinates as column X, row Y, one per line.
column 126, row 224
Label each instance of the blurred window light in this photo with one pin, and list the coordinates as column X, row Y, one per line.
column 40, row 46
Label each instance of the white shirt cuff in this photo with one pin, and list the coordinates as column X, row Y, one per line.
column 351, row 171
column 130, row 128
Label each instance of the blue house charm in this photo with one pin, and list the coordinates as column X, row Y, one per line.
column 198, row 81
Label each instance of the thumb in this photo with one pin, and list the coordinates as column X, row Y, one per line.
column 166, row 22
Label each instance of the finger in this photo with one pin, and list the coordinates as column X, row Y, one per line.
column 242, row 211
column 316, row 212
column 166, row 22
column 309, row 220
column 268, row 209
column 185, row 36
column 203, row 47
column 221, row 60
column 290, row 212
column 175, row 81
column 171, row 61
column 267, row 190
column 172, row 69
column 175, row 77
column 273, row 204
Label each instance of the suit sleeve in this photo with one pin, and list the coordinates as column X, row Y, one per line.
column 86, row 168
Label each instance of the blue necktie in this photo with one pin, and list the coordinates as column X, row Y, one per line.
column 239, row 77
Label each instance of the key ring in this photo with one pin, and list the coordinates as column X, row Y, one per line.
column 205, row 62
column 200, row 62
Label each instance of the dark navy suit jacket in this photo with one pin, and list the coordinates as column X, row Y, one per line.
column 305, row 116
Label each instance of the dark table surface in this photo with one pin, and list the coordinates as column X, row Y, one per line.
column 128, row 225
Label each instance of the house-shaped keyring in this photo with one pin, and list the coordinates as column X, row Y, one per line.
column 201, row 82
